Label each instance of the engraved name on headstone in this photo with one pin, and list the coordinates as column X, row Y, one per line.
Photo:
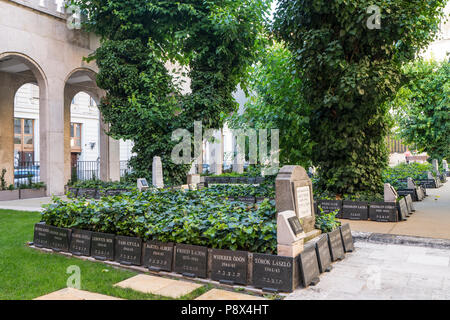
column 128, row 250
column 158, row 255
column 102, row 246
column 59, row 238
column 80, row 244
column 355, row 210
column 229, row 266
column 41, row 235
column 191, row 260
column 383, row 211
column 329, row 206
column 274, row 273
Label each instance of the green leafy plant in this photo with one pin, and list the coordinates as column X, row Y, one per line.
column 3, row 180
column 327, row 222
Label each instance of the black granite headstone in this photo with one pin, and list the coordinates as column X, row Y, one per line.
column 80, row 244
column 336, row 245
column 250, row 200
column 428, row 183
column 403, row 210
column 229, row 266
column 158, row 256
column 411, row 192
column 296, row 226
column 323, row 254
column 128, row 250
column 191, row 261
column 59, row 238
column 330, row 206
column 102, row 246
column 41, row 235
column 87, row 193
column 274, row 273
column 383, row 211
column 115, row 192
column 309, row 266
column 347, row 238
column 355, row 210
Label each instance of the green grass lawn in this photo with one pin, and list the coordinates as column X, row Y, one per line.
column 26, row 273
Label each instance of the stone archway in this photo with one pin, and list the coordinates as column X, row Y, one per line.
column 16, row 69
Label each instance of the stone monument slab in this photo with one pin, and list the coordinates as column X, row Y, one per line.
column 157, row 173
column 41, row 235
column 59, row 238
column 383, row 211
column 323, row 253
column 347, row 238
column 336, row 245
column 229, row 267
column 158, row 256
column 80, row 244
column 274, row 273
column 128, row 250
column 309, row 267
column 355, row 210
column 102, row 246
column 191, row 261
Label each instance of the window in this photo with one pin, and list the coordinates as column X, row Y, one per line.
column 75, row 137
column 24, row 140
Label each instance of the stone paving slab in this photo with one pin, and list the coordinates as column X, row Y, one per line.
column 33, row 205
column 217, row 294
column 75, row 294
column 384, row 272
column 431, row 219
column 159, row 286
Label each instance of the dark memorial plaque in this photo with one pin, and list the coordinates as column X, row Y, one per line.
column 102, row 246
column 128, row 250
column 296, row 226
column 428, row 183
column 201, row 185
column 158, row 256
column 229, row 267
column 330, row 206
column 347, row 238
column 80, row 243
column 115, row 192
column 87, row 193
column 411, row 192
column 409, row 203
column 274, row 273
column 250, row 200
column 403, row 211
column 41, row 235
column 383, row 211
column 59, row 238
column 355, row 210
column 191, row 261
column 336, row 245
column 323, row 254
column 309, row 266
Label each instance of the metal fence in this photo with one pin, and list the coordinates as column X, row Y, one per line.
column 85, row 170
column 26, row 173
column 396, row 146
column 124, row 168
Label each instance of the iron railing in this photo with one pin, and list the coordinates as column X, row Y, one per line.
column 85, row 170
column 26, row 173
column 124, row 168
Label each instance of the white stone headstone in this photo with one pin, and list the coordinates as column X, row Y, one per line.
column 157, row 173
column 411, row 184
column 445, row 165
column 142, row 184
column 436, row 166
column 430, row 175
column 390, row 195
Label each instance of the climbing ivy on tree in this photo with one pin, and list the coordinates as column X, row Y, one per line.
column 214, row 40
column 350, row 72
column 423, row 108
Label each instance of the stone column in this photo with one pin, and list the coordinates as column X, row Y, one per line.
column 7, row 92
column 216, row 153
column 109, row 155
column 69, row 93
column 52, row 122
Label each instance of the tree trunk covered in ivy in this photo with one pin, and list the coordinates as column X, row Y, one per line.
column 215, row 40
column 351, row 70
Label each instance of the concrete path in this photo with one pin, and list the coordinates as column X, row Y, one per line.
column 431, row 219
column 34, row 205
column 384, row 272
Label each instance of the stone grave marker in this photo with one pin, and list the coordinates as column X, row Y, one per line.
column 102, row 246
column 201, row 185
column 436, row 167
column 290, row 234
column 347, row 238
column 80, row 245
column 330, row 206
column 59, row 238
column 191, row 261
column 115, row 192
column 229, row 267
column 88, row 193
column 309, row 267
column 274, row 273
column 323, row 253
column 294, row 193
column 336, row 245
column 445, row 165
column 128, row 250
column 249, row 200
column 403, row 210
column 383, row 211
column 355, row 210
column 390, row 195
column 158, row 256
column 409, row 204
column 41, row 235
column 142, row 184
column 157, row 173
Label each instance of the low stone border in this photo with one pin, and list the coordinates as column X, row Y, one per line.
column 401, row 240
column 171, row 275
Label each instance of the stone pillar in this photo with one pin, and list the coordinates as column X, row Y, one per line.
column 216, row 153
column 109, row 155
column 7, row 92
column 69, row 93
column 52, row 122
column 239, row 156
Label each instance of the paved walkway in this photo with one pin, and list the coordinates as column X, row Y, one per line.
column 27, row 204
column 384, row 272
column 431, row 219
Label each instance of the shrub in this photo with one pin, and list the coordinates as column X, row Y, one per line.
column 327, row 222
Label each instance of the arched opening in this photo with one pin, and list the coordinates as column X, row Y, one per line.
column 23, row 91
